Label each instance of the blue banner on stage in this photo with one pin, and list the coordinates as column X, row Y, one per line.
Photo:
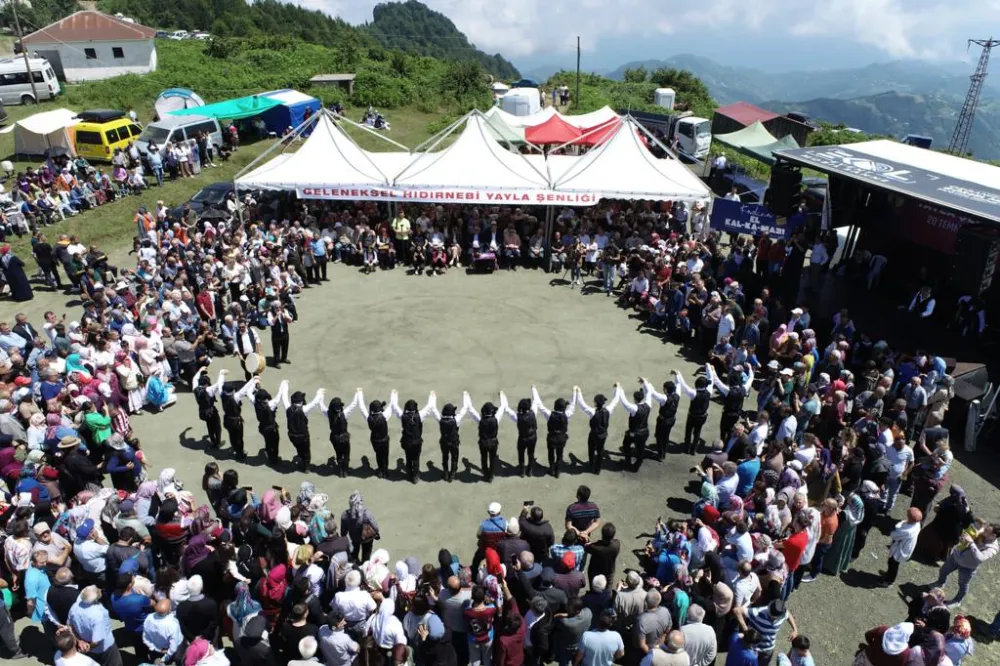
column 735, row 217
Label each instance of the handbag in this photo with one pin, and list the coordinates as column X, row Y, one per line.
column 368, row 532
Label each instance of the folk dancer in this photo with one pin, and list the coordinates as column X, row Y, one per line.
column 265, row 406
column 204, row 396
column 489, row 427
column 337, row 415
column 558, row 429
column 378, row 424
column 232, row 414
column 412, row 436
column 600, row 417
column 527, row 433
column 734, row 396
column 297, row 420
column 700, row 397
column 666, row 417
column 634, row 443
column 450, row 419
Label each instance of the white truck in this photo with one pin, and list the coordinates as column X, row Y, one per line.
column 692, row 135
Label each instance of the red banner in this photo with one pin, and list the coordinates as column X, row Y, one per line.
column 929, row 225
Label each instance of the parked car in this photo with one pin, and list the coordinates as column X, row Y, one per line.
column 179, row 128
column 201, row 35
column 178, row 35
column 161, row 34
column 210, row 196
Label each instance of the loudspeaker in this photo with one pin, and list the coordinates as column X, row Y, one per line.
column 784, row 189
column 975, row 261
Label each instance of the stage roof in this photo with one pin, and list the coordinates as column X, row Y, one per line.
column 938, row 178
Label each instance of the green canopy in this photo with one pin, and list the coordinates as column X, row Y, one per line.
column 765, row 153
column 756, row 142
column 232, row 109
column 501, row 131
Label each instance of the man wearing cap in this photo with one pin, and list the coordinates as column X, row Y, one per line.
column 492, row 530
column 127, row 518
column 56, row 548
column 337, row 648
column 76, row 470
column 90, row 552
column 91, row 623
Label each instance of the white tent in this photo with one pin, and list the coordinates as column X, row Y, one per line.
column 38, row 133
column 526, row 121
column 592, row 119
column 327, row 165
column 623, row 168
column 473, row 168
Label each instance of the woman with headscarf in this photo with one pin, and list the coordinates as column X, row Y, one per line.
column 388, row 633
column 271, row 592
column 130, row 380
column 778, row 338
column 360, row 525
column 838, row 557
column 952, row 517
column 404, row 587
column 887, row 646
column 376, row 570
column 143, row 502
column 871, row 498
column 958, row 643
column 679, row 602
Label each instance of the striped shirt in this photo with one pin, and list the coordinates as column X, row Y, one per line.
column 761, row 620
column 582, row 514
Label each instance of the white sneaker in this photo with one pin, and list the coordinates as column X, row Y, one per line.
column 809, row 578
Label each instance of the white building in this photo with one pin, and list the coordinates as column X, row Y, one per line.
column 89, row 46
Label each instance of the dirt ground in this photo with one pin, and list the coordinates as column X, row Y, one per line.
column 506, row 332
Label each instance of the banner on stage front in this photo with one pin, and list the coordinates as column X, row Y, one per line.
column 453, row 195
column 735, row 217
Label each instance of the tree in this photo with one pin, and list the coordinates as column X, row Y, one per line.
column 829, row 134
column 637, row 75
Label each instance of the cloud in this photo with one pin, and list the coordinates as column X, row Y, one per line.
column 899, row 28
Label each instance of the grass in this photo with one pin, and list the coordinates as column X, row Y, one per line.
column 111, row 226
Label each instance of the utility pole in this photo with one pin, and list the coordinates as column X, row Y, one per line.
column 576, row 99
column 24, row 50
column 960, row 139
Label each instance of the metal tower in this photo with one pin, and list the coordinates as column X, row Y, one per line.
column 960, row 139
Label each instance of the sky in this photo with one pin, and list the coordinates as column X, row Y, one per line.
column 775, row 35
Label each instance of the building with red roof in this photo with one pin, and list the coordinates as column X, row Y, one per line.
column 735, row 117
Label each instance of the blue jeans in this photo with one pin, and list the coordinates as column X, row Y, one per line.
column 609, row 277
column 964, row 577
column 158, row 174
column 892, row 489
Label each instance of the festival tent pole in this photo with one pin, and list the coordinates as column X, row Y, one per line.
column 549, row 215
column 279, row 144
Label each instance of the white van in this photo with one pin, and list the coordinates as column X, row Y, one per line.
column 179, row 35
column 179, row 128
column 15, row 87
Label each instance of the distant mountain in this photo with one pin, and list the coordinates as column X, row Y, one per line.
column 732, row 84
column 894, row 98
column 899, row 114
column 412, row 26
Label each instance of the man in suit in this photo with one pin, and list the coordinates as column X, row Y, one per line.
column 490, row 239
column 24, row 329
column 279, row 319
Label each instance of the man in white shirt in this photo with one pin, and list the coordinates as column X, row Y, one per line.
column 818, row 260
column 355, row 603
column 746, row 585
column 66, row 652
column 900, row 463
column 902, row 543
column 733, row 194
column 758, row 435
column 727, row 325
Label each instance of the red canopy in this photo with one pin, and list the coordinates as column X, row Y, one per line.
column 598, row 134
column 555, row 130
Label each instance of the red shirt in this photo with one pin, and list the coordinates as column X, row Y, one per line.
column 510, row 647
column 794, row 546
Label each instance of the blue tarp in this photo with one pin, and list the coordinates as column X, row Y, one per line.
column 290, row 111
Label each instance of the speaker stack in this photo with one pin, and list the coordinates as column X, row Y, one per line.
column 975, row 261
column 785, row 188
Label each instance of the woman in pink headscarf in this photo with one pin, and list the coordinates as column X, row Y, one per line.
column 778, row 338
